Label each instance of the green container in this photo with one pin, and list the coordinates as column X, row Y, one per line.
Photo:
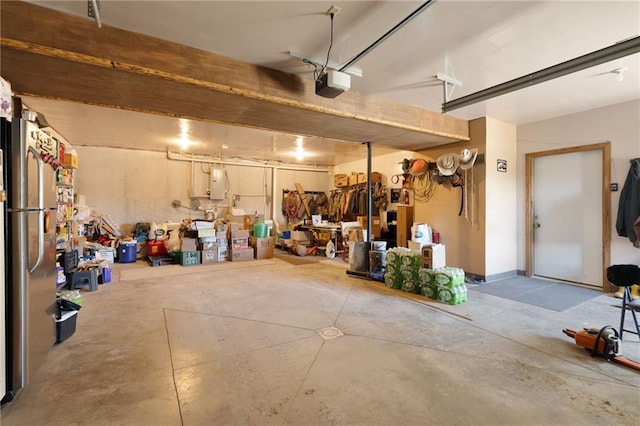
column 260, row 230
column 188, row 258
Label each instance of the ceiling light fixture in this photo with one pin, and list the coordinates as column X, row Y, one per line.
column 184, row 140
column 616, row 51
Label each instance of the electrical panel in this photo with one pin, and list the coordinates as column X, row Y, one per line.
column 217, row 183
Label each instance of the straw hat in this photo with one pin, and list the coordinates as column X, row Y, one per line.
column 467, row 158
column 447, row 164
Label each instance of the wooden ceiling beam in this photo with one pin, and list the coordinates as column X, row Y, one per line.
column 56, row 55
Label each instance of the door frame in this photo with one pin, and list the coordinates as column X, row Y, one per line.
column 605, row 148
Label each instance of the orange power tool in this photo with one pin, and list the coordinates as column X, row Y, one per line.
column 603, row 342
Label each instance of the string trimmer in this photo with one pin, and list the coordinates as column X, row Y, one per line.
column 603, row 342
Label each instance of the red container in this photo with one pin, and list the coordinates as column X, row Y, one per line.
column 156, row 248
column 435, row 237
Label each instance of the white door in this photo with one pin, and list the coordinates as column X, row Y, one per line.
column 567, row 209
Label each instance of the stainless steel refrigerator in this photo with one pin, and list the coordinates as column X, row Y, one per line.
column 30, row 251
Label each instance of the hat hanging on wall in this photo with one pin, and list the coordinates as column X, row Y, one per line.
column 418, row 167
column 467, row 158
column 447, row 164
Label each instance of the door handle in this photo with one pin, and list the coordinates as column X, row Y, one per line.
column 41, row 215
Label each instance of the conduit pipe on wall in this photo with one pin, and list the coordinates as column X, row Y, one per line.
column 247, row 163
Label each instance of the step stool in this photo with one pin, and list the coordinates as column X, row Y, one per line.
column 83, row 278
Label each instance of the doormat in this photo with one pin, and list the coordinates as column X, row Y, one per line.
column 550, row 295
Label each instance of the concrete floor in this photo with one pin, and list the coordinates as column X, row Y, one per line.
column 241, row 346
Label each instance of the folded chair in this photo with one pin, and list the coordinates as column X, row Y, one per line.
column 625, row 276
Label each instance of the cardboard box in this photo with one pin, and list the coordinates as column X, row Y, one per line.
column 107, row 254
column 71, row 160
column 239, row 243
column 241, row 233
column 223, row 243
column 222, row 227
column 340, row 180
column 433, row 256
column 263, row 247
column 302, row 236
column 234, row 227
column 188, row 244
column 223, row 253
column 242, row 254
column 207, row 245
column 353, row 179
column 221, row 235
column 375, row 224
column 210, row 256
column 375, row 178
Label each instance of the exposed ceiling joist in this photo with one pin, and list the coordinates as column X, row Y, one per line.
column 117, row 68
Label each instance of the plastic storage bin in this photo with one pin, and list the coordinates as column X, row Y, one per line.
column 105, row 276
column 65, row 325
column 127, row 252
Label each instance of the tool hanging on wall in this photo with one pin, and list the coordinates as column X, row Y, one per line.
column 291, row 205
column 303, row 197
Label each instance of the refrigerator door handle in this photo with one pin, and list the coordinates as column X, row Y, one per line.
column 41, row 217
column 36, row 156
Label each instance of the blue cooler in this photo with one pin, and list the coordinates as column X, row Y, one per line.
column 127, row 251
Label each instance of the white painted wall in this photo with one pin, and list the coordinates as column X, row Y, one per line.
column 501, row 223
column 134, row 186
column 464, row 239
column 618, row 124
